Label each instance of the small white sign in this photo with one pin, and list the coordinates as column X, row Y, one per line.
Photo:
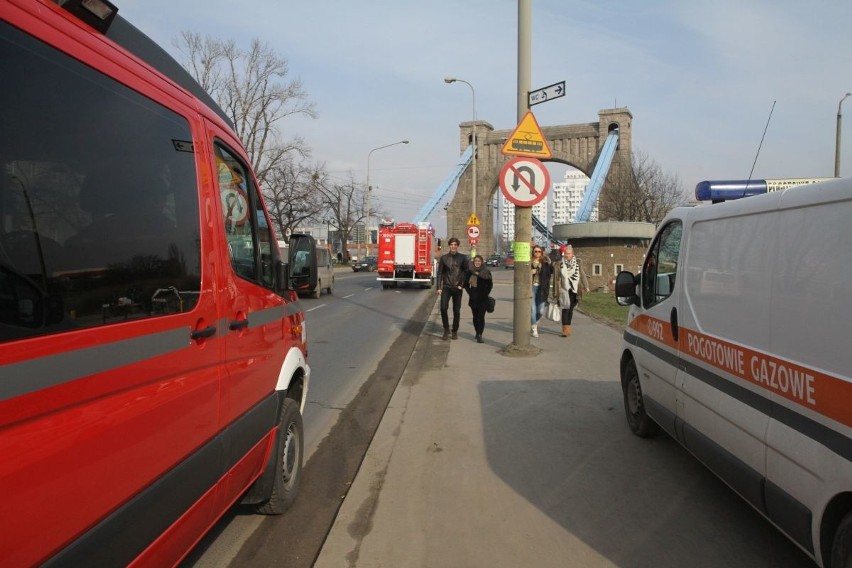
column 547, row 93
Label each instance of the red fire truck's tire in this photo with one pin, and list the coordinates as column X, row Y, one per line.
column 288, row 455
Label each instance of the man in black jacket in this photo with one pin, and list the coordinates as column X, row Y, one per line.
column 452, row 271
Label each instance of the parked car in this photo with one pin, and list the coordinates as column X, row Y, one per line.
column 493, row 260
column 509, row 261
column 366, row 264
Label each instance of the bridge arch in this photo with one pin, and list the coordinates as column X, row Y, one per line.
column 576, row 145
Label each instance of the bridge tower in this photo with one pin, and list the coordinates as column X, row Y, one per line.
column 577, row 145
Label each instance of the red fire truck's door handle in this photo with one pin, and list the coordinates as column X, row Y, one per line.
column 208, row 331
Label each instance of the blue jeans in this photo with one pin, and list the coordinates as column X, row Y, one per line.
column 536, row 310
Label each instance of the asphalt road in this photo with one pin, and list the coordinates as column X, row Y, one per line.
column 360, row 339
column 555, row 473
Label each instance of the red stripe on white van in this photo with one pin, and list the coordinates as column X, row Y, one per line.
column 806, row 386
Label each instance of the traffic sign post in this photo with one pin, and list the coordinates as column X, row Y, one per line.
column 547, row 93
column 473, row 232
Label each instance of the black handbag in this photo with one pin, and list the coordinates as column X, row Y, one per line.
column 491, row 303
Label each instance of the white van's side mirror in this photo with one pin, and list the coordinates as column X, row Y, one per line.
column 625, row 289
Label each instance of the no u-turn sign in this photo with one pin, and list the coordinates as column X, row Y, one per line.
column 524, row 181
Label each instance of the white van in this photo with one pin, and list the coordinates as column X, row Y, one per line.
column 325, row 272
column 736, row 346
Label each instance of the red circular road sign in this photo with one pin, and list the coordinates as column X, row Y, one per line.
column 524, row 181
column 473, row 231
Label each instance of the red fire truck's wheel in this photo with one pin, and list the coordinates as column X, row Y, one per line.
column 288, row 457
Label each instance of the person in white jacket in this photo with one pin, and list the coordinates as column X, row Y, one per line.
column 567, row 281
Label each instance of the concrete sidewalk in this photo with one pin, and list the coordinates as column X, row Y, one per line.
column 468, row 466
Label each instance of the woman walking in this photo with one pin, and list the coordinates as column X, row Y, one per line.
column 478, row 285
column 541, row 271
column 566, row 279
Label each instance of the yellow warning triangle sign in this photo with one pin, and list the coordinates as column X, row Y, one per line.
column 527, row 140
column 473, row 219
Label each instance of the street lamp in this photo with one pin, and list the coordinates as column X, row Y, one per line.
column 367, row 208
column 449, row 80
column 837, row 140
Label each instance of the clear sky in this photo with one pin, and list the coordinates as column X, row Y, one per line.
column 700, row 78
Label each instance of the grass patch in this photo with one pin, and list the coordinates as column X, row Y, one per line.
column 602, row 306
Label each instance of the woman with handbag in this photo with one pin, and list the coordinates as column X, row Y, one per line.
column 478, row 285
column 566, row 281
column 541, row 271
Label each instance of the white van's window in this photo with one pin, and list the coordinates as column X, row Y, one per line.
column 730, row 259
column 811, row 282
column 251, row 241
column 660, row 268
column 98, row 198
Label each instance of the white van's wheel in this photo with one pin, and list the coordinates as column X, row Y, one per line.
column 288, row 456
column 318, row 290
column 841, row 548
column 331, row 286
column 634, row 404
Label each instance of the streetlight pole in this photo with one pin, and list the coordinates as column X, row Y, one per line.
column 328, row 234
column 473, row 142
column 367, row 208
column 837, row 140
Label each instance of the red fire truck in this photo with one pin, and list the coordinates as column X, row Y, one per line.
column 153, row 352
column 405, row 254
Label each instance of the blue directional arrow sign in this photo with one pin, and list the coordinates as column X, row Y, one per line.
column 548, row 93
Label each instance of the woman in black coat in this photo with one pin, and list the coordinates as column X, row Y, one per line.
column 478, row 285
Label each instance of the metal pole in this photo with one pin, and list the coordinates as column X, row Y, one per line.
column 837, row 139
column 367, row 207
column 473, row 197
column 367, row 195
column 473, row 142
column 523, row 215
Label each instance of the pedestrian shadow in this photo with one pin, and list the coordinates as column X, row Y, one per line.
column 565, row 447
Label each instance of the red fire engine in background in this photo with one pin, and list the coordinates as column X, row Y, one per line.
column 405, row 254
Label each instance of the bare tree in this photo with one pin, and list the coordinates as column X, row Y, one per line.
column 345, row 204
column 643, row 193
column 253, row 89
column 293, row 195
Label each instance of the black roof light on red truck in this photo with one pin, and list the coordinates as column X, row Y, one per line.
column 149, row 339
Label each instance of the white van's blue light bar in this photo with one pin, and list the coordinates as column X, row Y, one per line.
column 724, row 190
